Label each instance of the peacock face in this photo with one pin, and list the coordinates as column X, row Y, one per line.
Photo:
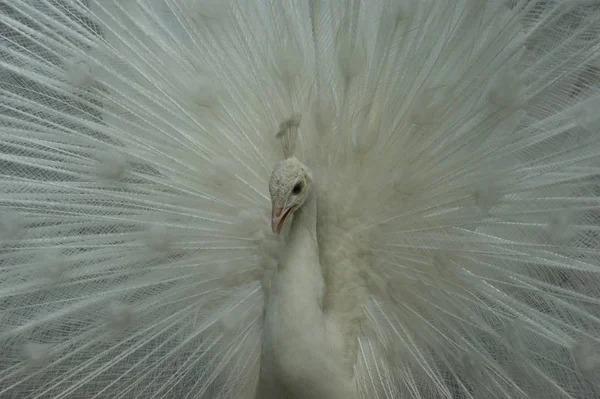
column 289, row 186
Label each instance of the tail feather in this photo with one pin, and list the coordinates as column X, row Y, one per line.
column 456, row 154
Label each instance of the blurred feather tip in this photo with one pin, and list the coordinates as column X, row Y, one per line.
column 79, row 72
column 159, row 238
column 121, row 316
column 37, row 354
column 11, row 224
column 112, row 166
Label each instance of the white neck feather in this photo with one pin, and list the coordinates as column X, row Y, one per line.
column 303, row 231
column 300, row 265
column 298, row 358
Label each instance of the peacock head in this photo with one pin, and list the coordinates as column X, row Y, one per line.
column 290, row 186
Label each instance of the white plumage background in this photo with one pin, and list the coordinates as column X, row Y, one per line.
column 455, row 147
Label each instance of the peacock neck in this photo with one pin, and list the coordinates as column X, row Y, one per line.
column 302, row 248
column 303, row 231
column 301, row 267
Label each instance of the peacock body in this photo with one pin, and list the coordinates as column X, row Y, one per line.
column 454, row 151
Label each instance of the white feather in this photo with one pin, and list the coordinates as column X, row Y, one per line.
column 454, row 148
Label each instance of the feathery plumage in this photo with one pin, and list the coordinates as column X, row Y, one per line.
column 455, row 150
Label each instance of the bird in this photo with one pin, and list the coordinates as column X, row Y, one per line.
column 298, row 356
column 261, row 199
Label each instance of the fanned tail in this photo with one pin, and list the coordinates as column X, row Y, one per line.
column 456, row 155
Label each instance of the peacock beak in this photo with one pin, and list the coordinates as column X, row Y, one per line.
column 278, row 217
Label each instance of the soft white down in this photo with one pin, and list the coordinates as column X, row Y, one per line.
column 300, row 358
column 430, row 229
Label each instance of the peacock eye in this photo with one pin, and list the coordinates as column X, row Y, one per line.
column 297, row 188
